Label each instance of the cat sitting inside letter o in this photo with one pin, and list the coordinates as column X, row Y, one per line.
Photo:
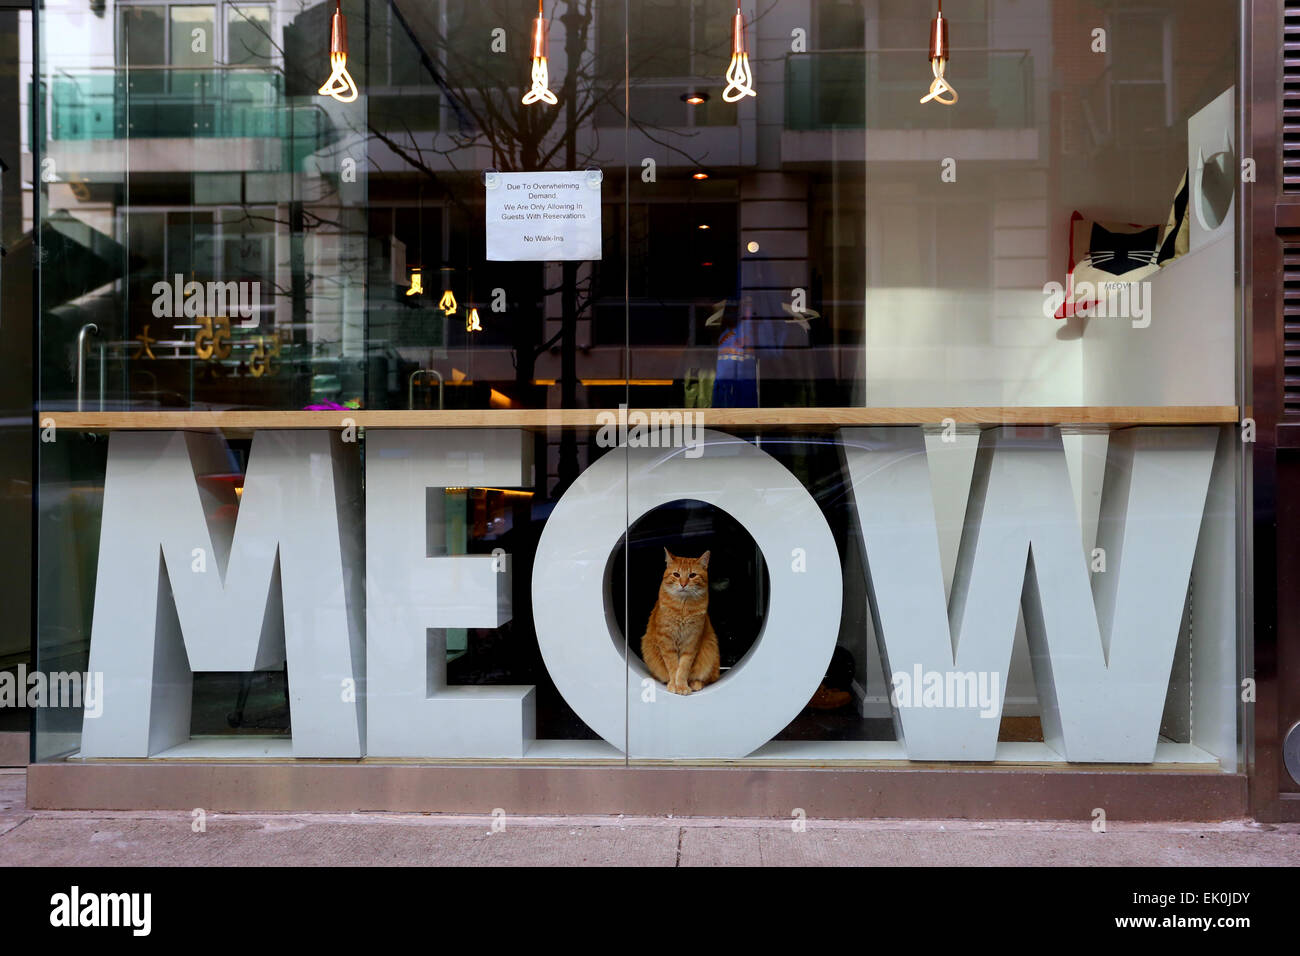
column 680, row 647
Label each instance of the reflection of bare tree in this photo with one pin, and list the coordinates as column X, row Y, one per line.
column 517, row 138
column 296, row 215
column 484, row 95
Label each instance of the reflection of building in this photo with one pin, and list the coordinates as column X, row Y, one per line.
column 174, row 149
column 803, row 209
column 195, row 144
column 190, row 143
column 822, row 177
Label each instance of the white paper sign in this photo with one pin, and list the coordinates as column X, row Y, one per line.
column 543, row 217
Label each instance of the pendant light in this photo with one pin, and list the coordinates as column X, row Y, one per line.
column 448, row 304
column 740, row 79
column 541, row 92
column 472, row 321
column 340, row 84
column 417, row 272
column 941, row 90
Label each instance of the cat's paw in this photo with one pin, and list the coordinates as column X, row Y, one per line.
column 697, row 685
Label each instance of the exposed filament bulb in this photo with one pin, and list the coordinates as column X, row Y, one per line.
column 340, row 84
column 541, row 91
column 941, row 90
column 740, row 78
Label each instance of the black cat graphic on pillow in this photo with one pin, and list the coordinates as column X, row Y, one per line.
column 1119, row 253
column 1105, row 255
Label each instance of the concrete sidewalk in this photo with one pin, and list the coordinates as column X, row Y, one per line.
column 102, row 838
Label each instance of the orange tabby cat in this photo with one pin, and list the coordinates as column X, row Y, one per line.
column 680, row 647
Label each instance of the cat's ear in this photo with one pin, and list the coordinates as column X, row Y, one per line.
column 668, row 557
column 704, row 560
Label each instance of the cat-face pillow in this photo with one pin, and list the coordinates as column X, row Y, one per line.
column 1103, row 254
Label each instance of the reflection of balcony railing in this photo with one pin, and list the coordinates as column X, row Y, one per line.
column 882, row 90
column 179, row 103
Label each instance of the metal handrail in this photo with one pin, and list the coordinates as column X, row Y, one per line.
column 93, row 329
column 410, row 386
column 1024, row 51
column 66, row 73
column 216, row 86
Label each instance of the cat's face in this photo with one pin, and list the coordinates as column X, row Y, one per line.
column 685, row 577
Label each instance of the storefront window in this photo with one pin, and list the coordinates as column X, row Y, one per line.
column 396, row 426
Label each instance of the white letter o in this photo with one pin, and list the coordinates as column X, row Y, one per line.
column 577, row 629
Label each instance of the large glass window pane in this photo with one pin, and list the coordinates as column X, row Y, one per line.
column 195, row 89
column 192, row 38
column 248, row 36
column 880, row 262
column 143, row 35
column 834, row 305
column 452, row 328
column 142, row 42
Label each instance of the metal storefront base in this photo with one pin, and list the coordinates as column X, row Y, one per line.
column 840, row 793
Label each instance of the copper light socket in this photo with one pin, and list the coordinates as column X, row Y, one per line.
column 938, row 38
column 541, row 31
column 338, row 33
column 738, row 34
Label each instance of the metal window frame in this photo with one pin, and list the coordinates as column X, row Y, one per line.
column 220, row 26
column 1272, row 612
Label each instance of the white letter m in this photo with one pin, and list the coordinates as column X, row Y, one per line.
column 288, row 585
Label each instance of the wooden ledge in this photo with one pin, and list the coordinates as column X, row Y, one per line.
column 541, row 419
